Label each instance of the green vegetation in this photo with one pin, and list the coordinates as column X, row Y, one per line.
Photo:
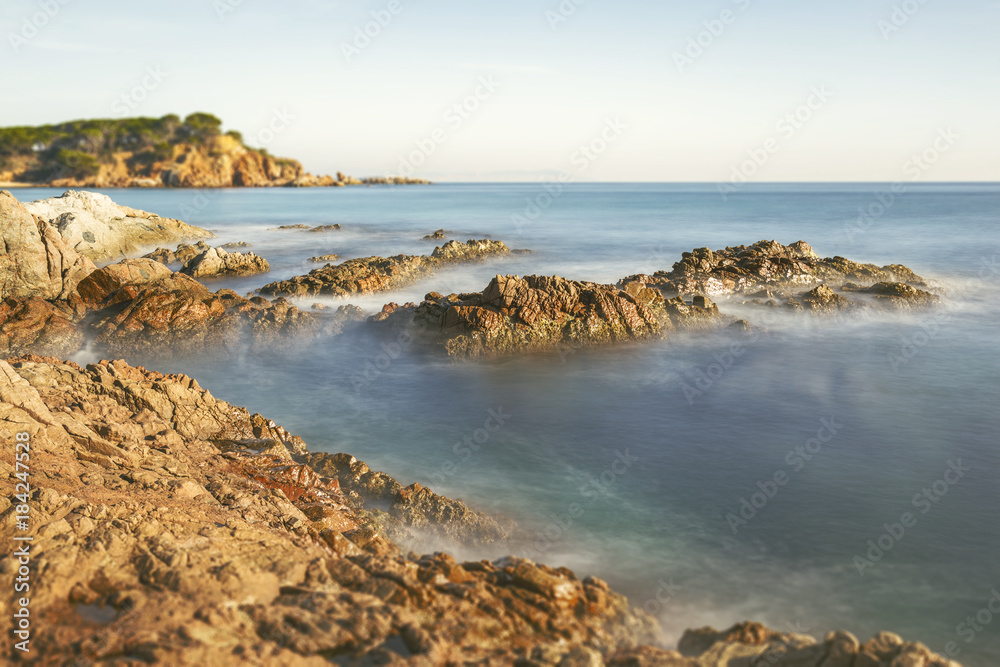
column 78, row 148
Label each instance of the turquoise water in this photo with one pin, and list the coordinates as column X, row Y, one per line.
column 623, row 473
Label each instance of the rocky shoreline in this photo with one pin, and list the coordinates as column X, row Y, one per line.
column 170, row 526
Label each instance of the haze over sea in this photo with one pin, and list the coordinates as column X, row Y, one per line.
column 695, row 429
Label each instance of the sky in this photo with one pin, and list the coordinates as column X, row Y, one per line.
column 584, row 90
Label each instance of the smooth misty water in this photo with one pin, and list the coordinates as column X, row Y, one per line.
column 662, row 520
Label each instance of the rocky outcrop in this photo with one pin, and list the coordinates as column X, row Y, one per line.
column 35, row 260
column 217, row 262
column 140, row 308
column 766, row 264
column 439, row 235
column 367, row 275
column 172, row 527
column 536, row 313
column 101, row 230
column 151, row 496
column 178, row 315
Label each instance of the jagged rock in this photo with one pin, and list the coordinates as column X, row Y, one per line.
column 236, row 245
column 765, row 264
column 184, row 253
column 326, row 228
column 439, row 235
column 33, row 325
column 96, row 227
column 824, row 299
column 537, row 313
column 218, row 262
column 375, row 274
column 100, row 284
column 35, row 260
column 178, row 315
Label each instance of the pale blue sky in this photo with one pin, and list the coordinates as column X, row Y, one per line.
column 557, row 87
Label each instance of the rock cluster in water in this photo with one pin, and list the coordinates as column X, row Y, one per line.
column 55, row 299
column 521, row 314
column 367, row 275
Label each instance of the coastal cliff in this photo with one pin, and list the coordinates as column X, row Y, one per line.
column 151, row 152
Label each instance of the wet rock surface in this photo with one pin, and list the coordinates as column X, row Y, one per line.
column 367, row 275
column 172, row 527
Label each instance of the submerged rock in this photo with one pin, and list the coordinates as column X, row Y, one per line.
column 367, row 275
column 96, row 227
column 439, row 235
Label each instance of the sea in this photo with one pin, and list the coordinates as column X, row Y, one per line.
column 820, row 474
